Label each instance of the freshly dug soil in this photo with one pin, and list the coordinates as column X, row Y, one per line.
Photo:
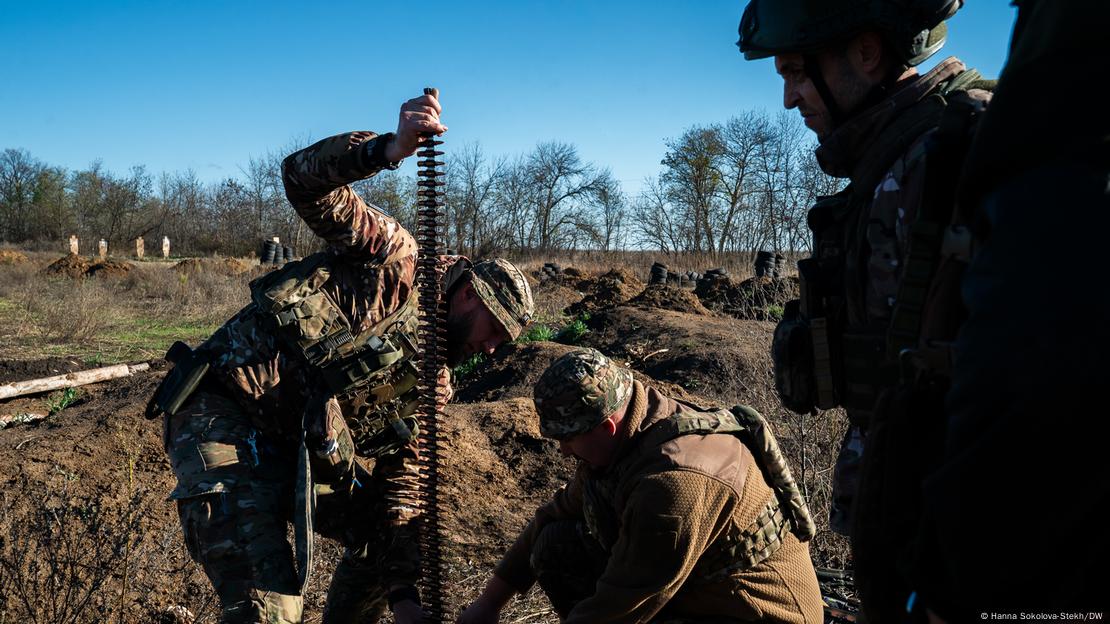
column 663, row 297
column 72, row 266
column 218, row 266
column 109, row 268
column 510, row 372
column 605, row 291
column 715, row 357
column 752, row 298
column 23, row 370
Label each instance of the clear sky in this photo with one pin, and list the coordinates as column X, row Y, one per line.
column 206, row 84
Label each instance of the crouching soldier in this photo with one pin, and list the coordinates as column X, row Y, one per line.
column 675, row 514
column 264, row 419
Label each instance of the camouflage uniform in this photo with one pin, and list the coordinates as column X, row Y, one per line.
column 897, row 198
column 234, row 444
column 681, row 526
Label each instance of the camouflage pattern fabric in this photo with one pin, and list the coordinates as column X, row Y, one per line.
column 505, row 291
column 233, row 445
column 578, row 391
column 235, row 499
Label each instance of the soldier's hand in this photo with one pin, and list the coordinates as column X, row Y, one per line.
column 408, row 612
column 419, row 116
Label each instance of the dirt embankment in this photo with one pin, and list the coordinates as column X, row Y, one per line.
column 605, row 291
column 74, row 267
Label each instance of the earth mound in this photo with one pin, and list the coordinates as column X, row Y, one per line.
column 754, row 298
column 109, row 268
column 72, row 266
column 510, row 372
column 497, row 469
column 7, row 256
column 720, row 358
column 218, row 266
column 605, row 291
column 663, row 297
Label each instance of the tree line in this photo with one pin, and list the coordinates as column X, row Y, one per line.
column 737, row 186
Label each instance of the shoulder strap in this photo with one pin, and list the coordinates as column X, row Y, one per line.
column 749, row 426
column 944, row 158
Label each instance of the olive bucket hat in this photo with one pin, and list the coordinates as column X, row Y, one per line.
column 578, row 391
column 503, row 288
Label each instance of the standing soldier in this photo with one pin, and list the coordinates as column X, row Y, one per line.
column 675, row 514
column 264, row 419
column 1025, row 446
column 879, row 302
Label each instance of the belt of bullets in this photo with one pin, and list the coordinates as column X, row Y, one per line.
column 433, row 342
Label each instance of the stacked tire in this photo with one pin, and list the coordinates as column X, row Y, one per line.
column 764, row 264
column 551, row 271
column 658, row 274
column 780, row 266
column 269, row 252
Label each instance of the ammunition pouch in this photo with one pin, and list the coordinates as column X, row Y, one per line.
column 181, row 382
column 792, row 355
column 372, row 368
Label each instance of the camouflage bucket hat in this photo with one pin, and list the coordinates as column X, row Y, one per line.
column 578, row 391
column 505, row 291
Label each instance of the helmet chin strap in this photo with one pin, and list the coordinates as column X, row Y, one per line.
column 837, row 115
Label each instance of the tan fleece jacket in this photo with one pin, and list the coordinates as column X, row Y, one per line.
column 660, row 511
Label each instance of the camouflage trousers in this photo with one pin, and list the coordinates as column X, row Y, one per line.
column 568, row 562
column 235, row 496
column 845, row 480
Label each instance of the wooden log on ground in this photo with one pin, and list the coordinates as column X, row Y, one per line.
column 69, row 380
column 20, row 419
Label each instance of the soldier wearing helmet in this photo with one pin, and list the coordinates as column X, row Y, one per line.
column 676, row 513
column 879, row 305
column 264, row 420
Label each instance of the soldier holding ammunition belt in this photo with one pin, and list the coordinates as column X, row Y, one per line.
column 264, row 420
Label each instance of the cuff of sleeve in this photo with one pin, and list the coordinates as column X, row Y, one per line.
column 515, row 568
column 375, row 153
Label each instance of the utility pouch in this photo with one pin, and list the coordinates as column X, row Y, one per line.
column 329, row 441
column 179, row 384
column 792, row 355
column 303, row 315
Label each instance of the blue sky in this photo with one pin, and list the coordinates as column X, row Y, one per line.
column 204, row 85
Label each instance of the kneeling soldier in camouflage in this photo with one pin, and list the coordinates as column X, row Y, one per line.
column 264, row 419
column 675, row 514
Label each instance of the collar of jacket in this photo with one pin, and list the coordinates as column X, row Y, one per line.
column 844, row 152
column 646, row 407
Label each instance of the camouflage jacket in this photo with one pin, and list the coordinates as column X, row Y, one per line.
column 666, row 515
column 856, row 147
column 373, row 275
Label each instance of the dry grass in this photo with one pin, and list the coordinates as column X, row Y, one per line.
column 124, row 318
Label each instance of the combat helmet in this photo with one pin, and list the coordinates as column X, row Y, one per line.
column 915, row 29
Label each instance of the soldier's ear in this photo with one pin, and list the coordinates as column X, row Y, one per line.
column 610, row 425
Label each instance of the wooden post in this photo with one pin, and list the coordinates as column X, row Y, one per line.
column 139, row 248
column 165, row 246
column 73, row 249
column 69, row 380
column 102, row 249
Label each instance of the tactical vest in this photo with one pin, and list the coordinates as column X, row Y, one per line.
column 371, row 370
column 741, row 548
column 828, row 352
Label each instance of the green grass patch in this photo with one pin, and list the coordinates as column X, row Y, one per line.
column 537, row 333
column 467, row 368
column 58, row 401
column 573, row 332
